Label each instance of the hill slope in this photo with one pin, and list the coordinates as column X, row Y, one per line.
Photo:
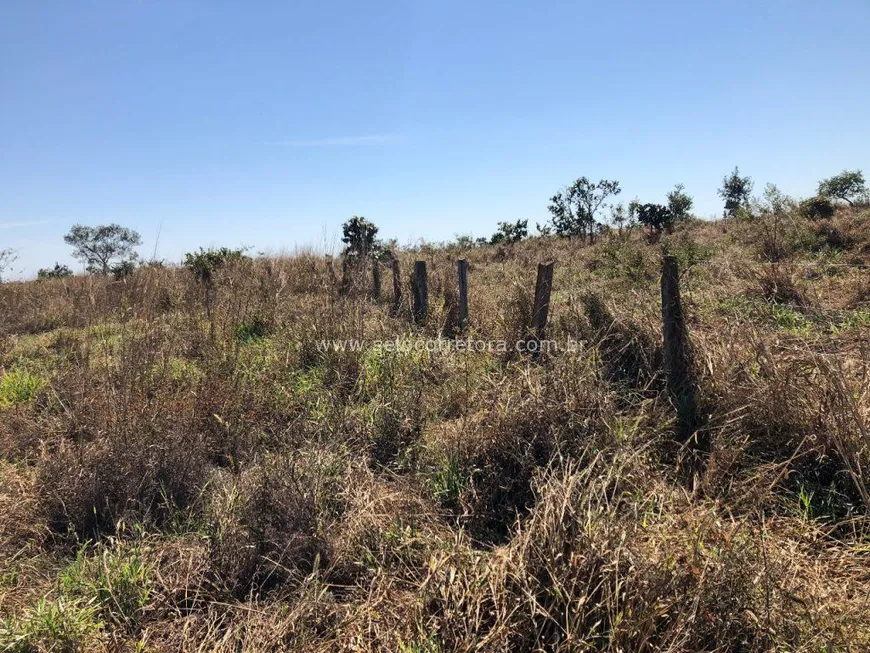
column 273, row 463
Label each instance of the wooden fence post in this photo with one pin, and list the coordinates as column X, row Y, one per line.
column 462, row 269
column 397, row 288
column 376, row 279
column 541, row 306
column 676, row 351
column 420, row 292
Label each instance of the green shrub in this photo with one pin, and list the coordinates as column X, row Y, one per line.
column 623, row 259
column 205, row 262
column 817, row 208
column 57, row 272
column 252, row 331
column 688, row 252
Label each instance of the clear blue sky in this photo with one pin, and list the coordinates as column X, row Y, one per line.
column 269, row 123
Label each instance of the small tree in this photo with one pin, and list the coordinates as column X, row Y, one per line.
column 7, row 258
column 655, row 216
column 510, row 232
column 680, row 203
column 573, row 209
column 59, row 271
column 848, row 186
column 104, row 247
column 359, row 235
column 775, row 201
column 735, row 191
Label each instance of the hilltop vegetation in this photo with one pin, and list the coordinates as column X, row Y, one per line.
column 186, row 465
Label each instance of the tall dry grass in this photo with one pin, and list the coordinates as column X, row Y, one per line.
column 184, row 468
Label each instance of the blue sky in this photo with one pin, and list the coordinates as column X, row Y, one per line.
column 268, row 124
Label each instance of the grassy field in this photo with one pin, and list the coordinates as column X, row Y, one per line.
column 183, row 474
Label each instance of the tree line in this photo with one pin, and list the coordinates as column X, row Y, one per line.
column 576, row 211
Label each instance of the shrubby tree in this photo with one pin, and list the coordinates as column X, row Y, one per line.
column 510, row 232
column 205, row 262
column 104, row 247
column 59, row 271
column 573, row 209
column 8, row 256
column 736, row 191
column 680, row 203
column 618, row 216
column 656, row 217
column 359, row 236
column 848, row 186
column 775, row 201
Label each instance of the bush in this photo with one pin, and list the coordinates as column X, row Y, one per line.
column 817, row 208
column 205, row 262
column 57, row 272
column 252, row 331
column 91, row 489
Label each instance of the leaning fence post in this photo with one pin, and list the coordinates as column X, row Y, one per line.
column 541, row 305
column 376, row 279
column 462, row 269
column 397, row 288
column 676, row 351
column 420, row 288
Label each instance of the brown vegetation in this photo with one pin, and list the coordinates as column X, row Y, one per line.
column 182, row 467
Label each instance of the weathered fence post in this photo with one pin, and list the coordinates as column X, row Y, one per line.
column 676, row 351
column 541, row 305
column 420, row 288
column 462, row 269
column 376, row 279
column 397, row 288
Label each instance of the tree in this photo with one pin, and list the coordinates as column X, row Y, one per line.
column 7, row 258
column 59, row 271
column 655, row 216
column 848, row 186
column 680, row 203
column 104, row 247
column 359, row 236
column 510, row 232
column 735, row 191
column 775, row 201
column 573, row 209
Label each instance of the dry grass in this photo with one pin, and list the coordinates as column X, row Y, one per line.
column 190, row 472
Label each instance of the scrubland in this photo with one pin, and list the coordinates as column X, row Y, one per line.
column 182, row 472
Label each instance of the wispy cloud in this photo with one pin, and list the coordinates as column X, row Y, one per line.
column 17, row 225
column 341, row 141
